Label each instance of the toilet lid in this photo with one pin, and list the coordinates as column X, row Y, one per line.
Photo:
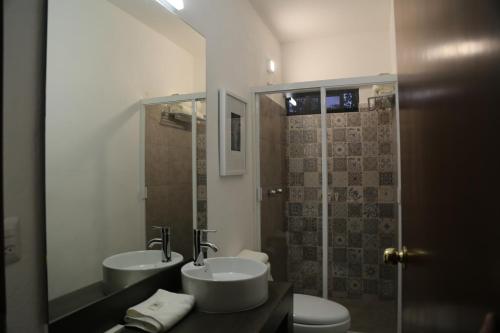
column 311, row 310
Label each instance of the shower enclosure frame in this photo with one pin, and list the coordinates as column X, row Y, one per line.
column 323, row 86
column 173, row 99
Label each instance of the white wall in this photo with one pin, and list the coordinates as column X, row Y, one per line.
column 392, row 41
column 238, row 46
column 22, row 160
column 101, row 63
column 345, row 53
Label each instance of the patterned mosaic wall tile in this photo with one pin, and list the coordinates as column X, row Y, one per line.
column 303, row 207
column 362, row 208
column 364, row 219
column 201, row 173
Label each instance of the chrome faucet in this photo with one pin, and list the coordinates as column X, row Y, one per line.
column 164, row 242
column 199, row 245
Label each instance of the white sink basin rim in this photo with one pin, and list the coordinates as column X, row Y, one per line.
column 124, row 269
column 228, row 284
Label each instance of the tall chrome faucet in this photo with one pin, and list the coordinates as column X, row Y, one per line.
column 164, row 242
column 199, row 245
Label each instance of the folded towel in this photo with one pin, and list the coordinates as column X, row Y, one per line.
column 159, row 312
column 258, row 256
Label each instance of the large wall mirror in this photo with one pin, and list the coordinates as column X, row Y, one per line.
column 125, row 142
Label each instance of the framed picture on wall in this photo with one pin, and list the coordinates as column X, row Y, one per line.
column 232, row 133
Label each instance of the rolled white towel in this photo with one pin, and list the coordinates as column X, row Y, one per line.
column 258, row 256
column 254, row 255
column 269, row 276
column 159, row 312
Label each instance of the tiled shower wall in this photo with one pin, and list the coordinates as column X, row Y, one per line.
column 362, row 192
column 201, row 173
column 362, row 206
column 304, row 210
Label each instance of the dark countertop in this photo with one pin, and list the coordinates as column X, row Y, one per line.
column 88, row 315
column 269, row 317
column 75, row 300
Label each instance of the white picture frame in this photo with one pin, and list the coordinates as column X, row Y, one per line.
column 232, row 133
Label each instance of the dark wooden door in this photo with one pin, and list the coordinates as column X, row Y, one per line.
column 448, row 54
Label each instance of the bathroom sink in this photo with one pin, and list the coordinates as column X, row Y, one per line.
column 122, row 270
column 228, row 284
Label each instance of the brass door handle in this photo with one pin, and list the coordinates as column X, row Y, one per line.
column 394, row 256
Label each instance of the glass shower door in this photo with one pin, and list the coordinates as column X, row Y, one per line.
column 291, row 177
column 363, row 209
column 361, row 212
column 273, row 177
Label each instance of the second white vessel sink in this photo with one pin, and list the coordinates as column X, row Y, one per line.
column 225, row 285
column 124, row 269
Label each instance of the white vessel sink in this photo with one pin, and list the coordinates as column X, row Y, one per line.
column 227, row 284
column 124, row 269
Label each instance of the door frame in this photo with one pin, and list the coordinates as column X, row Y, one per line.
column 322, row 86
column 173, row 99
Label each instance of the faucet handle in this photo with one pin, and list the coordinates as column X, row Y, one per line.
column 205, row 230
column 199, row 232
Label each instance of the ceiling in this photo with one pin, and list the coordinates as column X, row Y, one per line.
column 294, row 20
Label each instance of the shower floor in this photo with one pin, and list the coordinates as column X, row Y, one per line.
column 371, row 316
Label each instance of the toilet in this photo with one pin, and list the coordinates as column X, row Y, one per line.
column 317, row 315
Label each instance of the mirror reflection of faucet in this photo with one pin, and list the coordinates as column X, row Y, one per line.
column 199, row 245
column 164, row 242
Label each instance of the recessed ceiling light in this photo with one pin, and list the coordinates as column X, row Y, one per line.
column 176, row 4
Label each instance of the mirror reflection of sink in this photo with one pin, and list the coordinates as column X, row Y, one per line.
column 225, row 285
column 123, row 269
